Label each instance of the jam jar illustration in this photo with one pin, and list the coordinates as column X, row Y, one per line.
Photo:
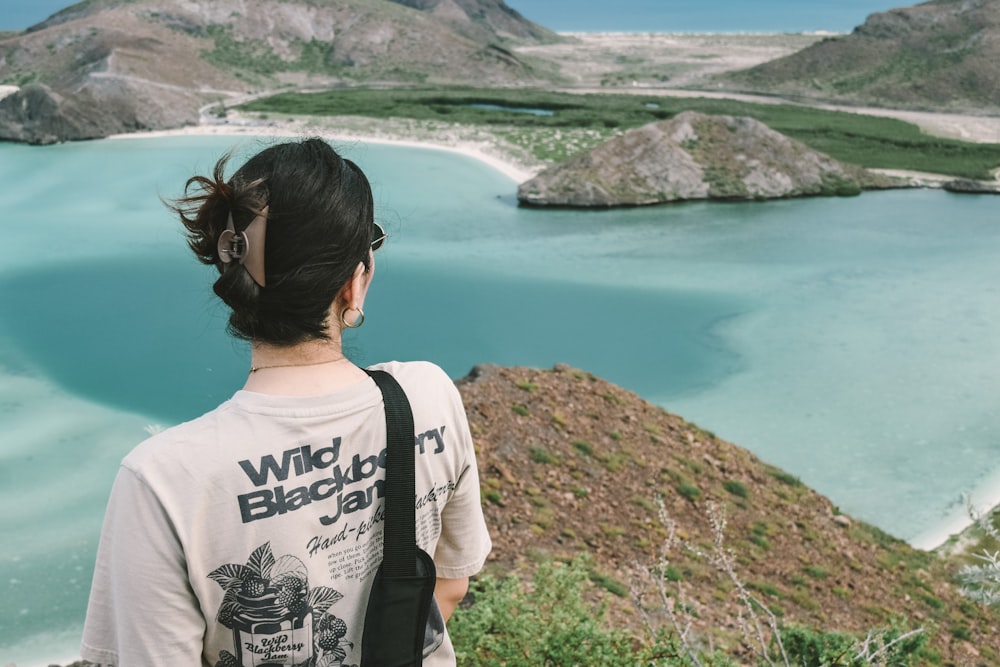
column 272, row 623
column 271, row 611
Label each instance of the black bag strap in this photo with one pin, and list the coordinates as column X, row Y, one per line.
column 399, row 546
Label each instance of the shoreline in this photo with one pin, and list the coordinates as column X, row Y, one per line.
column 481, row 151
column 948, row 534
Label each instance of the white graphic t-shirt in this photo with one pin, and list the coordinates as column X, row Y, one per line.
column 250, row 536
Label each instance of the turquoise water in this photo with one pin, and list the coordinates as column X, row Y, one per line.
column 853, row 342
column 527, row 110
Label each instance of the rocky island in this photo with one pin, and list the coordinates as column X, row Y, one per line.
column 695, row 156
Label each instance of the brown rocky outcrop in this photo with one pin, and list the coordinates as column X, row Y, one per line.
column 36, row 114
column 695, row 156
column 968, row 186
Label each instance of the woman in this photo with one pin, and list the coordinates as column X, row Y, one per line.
column 250, row 536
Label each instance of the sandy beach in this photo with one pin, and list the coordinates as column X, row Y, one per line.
column 464, row 141
column 514, row 162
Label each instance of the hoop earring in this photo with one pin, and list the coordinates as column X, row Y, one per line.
column 357, row 323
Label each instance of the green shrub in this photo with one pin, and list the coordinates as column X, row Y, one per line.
column 812, row 648
column 736, row 488
column 932, row 601
column 611, row 398
column 542, row 455
column 689, row 491
column 785, row 477
column 551, row 625
column 609, row 584
column 553, row 622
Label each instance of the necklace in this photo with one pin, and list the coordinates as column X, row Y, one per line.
column 254, row 369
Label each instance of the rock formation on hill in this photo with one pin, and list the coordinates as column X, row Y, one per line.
column 694, row 156
column 109, row 66
column 941, row 55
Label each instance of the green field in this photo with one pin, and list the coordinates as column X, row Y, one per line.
column 869, row 141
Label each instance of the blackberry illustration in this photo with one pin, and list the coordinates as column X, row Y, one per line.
column 253, row 586
column 323, row 623
column 329, row 631
column 298, row 606
column 226, row 659
column 225, row 616
column 290, row 590
column 337, row 627
column 327, row 641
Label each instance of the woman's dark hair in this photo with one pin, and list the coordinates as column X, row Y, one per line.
column 319, row 226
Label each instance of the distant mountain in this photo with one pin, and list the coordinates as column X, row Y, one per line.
column 695, row 156
column 482, row 19
column 106, row 66
column 942, row 55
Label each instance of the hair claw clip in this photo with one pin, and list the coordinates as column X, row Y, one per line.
column 246, row 247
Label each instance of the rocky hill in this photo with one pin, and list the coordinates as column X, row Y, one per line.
column 107, row 66
column 572, row 464
column 940, row 55
column 694, row 156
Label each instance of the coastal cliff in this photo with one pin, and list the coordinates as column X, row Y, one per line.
column 695, row 156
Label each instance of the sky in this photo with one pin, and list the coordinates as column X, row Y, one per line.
column 702, row 15
column 620, row 15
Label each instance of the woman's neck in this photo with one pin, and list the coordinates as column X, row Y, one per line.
column 314, row 367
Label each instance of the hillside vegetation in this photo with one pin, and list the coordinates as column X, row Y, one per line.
column 571, row 464
column 940, row 55
column 575, row 122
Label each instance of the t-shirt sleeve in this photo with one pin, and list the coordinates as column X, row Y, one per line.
column 142, row 610
column 465, row 541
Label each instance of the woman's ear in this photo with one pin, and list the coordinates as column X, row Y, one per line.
column 352, row 295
